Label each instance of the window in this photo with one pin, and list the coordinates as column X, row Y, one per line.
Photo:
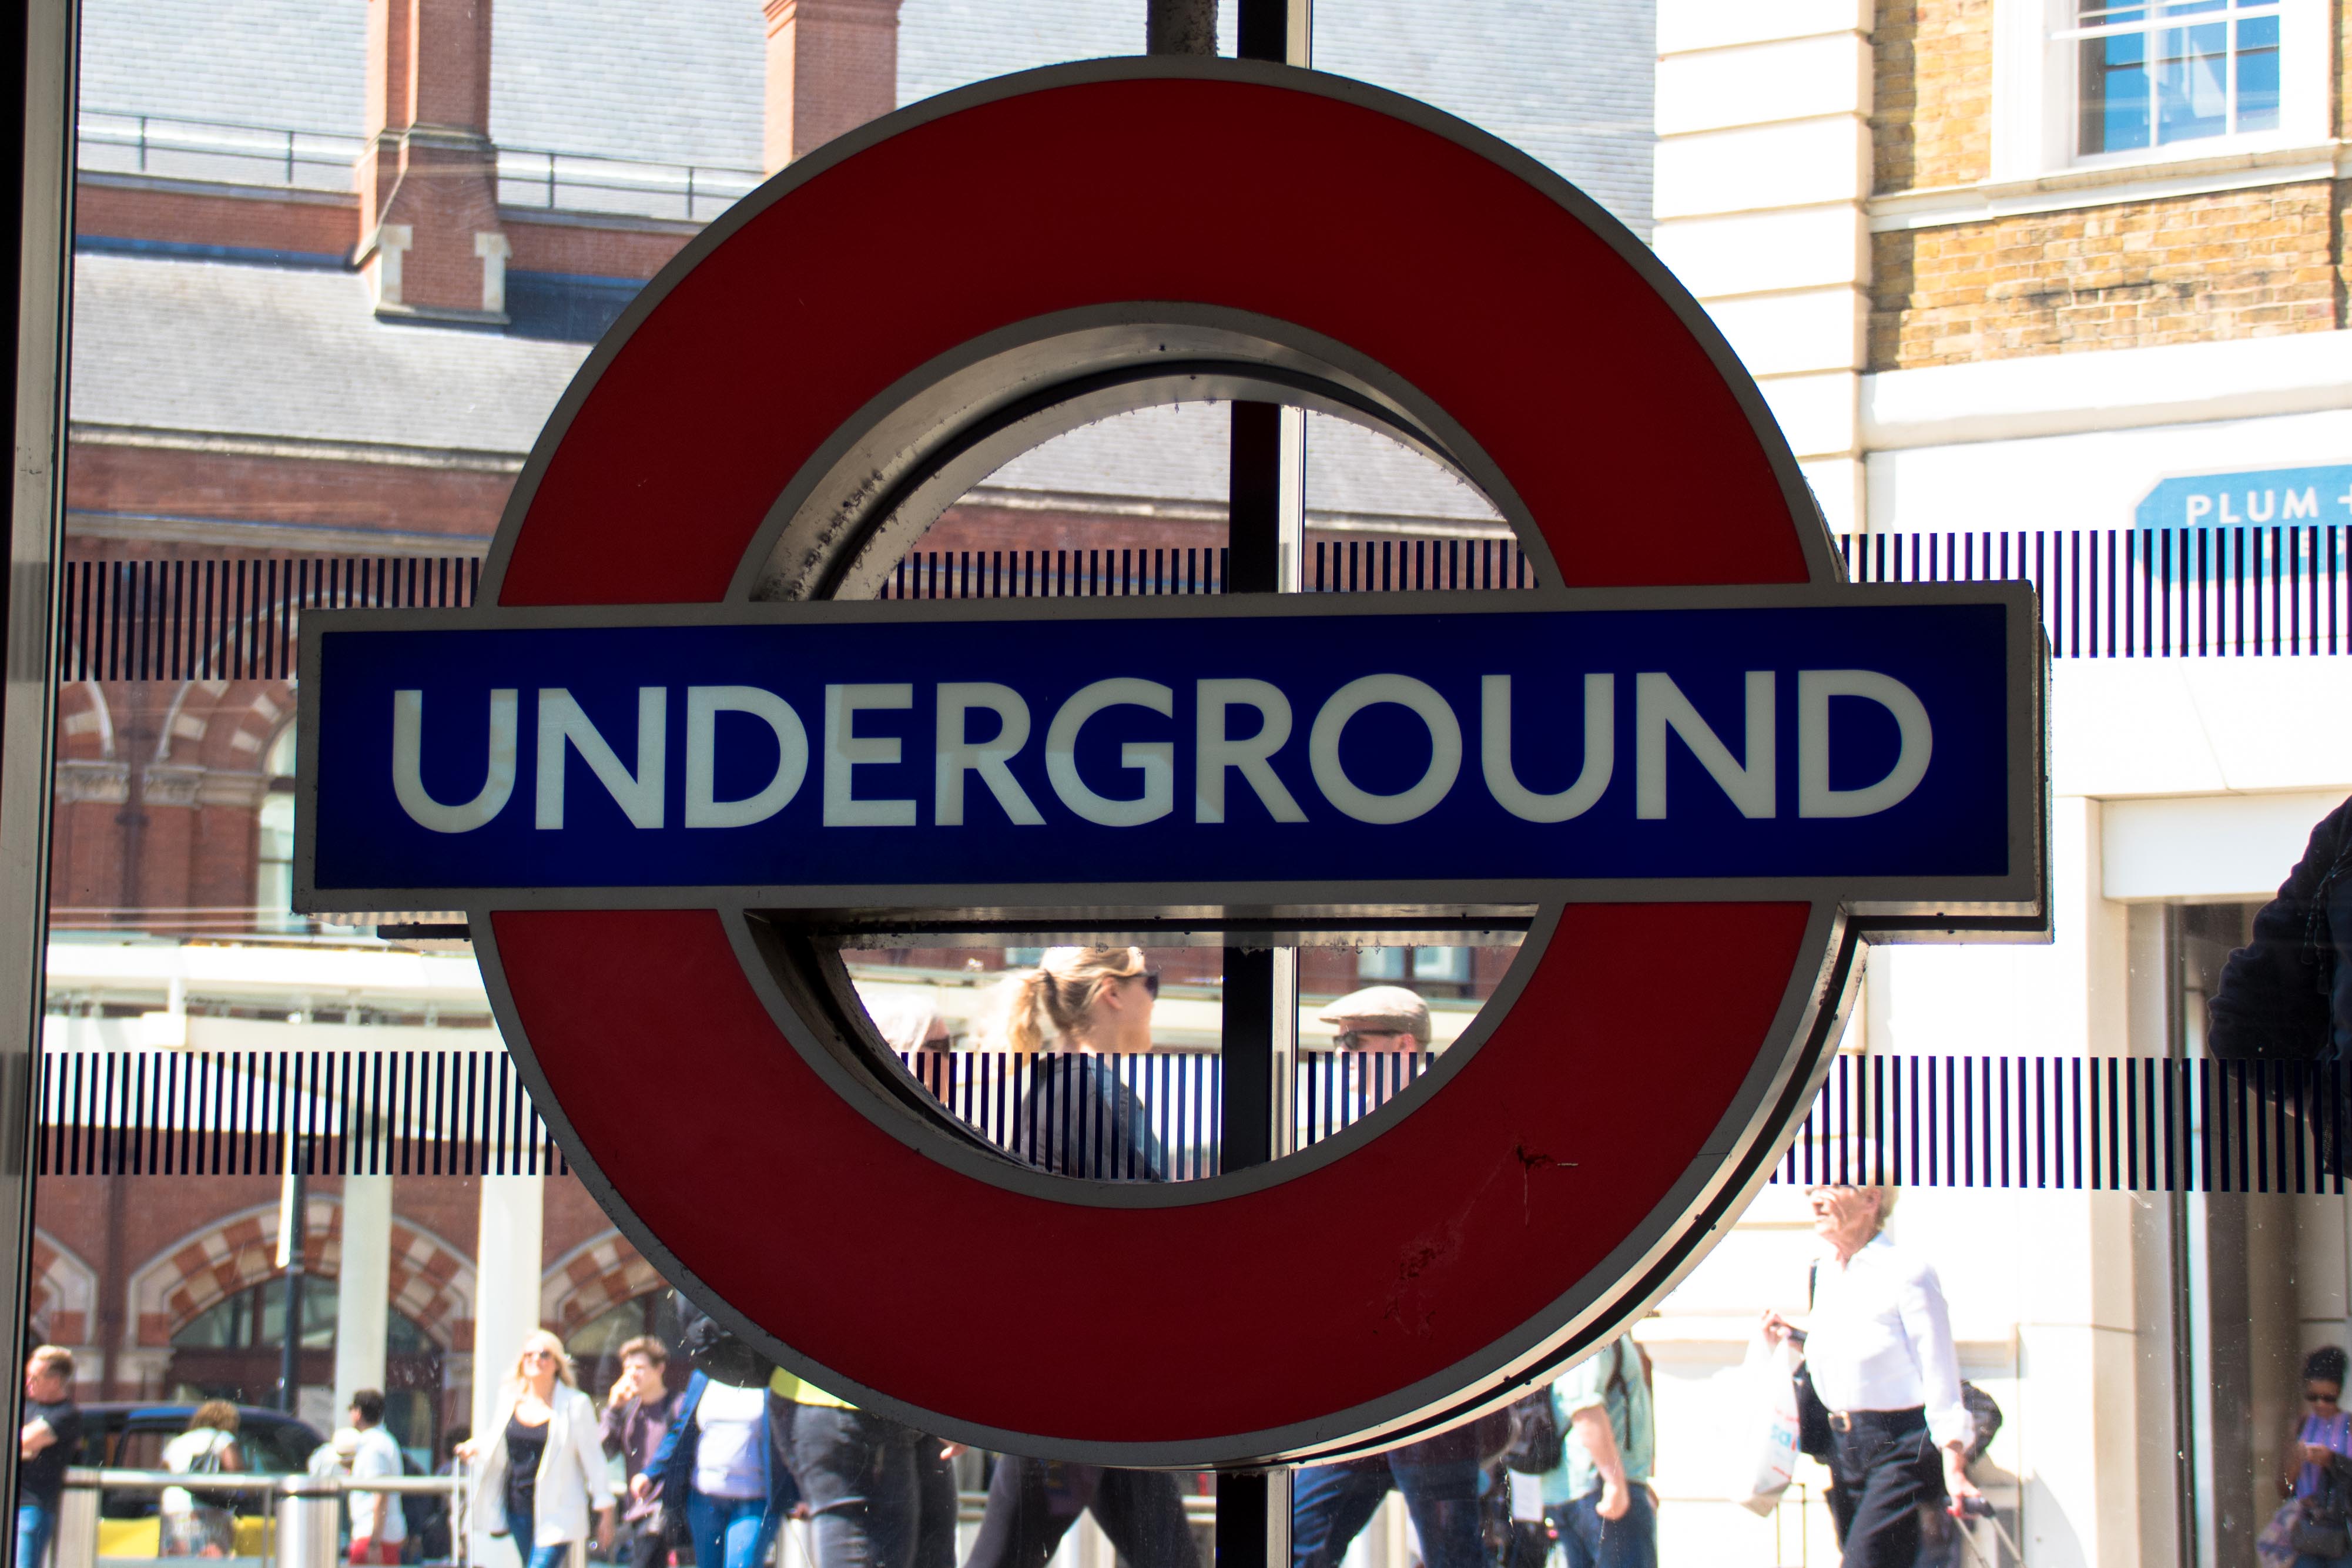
column 2179, row 71
column 273, row 892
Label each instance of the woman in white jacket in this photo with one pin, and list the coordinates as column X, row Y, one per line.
column 540, row 1470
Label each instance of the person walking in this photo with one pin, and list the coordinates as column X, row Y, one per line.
column 1439, row 1478
column 1881, row 1354
column 1080, row 1119
column 193, row 1526
column 48, row 1441
column 2320, row 1455
column 720, row 1462
column 860, row 1474
column 1599, row 1501
column 638, row 1411
column 542, row 1468
column 378, row 1525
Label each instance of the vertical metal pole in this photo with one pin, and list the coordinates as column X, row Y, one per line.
column 290, row 1236
column 1264, row 531
column 36, row 77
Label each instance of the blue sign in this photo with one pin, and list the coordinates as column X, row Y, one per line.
column 2261, row 495
column 829, row 748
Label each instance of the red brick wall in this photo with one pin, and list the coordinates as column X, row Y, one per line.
column 161, row 481
column 324, row 225
column 592, row 250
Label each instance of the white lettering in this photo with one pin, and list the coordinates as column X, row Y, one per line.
column 1155, row 759
column 1814, row 690
column 1444, row 747
column 844, row 751
column 1659, row 705
column 408, row 766
column 1592, row 780
column 1217, row 751
column 703, row 706
column 2303, row 505
column 2227, row 515
column 638, row 794
column 2198, row 506
column 956, row 755
column 2270, row 506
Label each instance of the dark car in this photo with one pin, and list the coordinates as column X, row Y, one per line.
column 126, row 1436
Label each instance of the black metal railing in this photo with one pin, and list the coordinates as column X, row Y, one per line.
column 2243, row 592
column 2094, row 1123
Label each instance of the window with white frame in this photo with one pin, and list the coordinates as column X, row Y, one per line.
column 2177, row 70
column 2120, row 85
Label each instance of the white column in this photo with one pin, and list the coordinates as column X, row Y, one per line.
column 362, row 1288
column 505, row 1274
column 1762, row 169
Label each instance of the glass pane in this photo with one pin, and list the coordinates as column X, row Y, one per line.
column 2258, row 74
column 2193, row 83
column 2114, row 93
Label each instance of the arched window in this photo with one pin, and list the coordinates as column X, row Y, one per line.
column 274, row 869
column 231, row 1350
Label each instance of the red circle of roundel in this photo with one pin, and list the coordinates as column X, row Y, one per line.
column 1290, row 1308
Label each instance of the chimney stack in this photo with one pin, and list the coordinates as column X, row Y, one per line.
column 430, row 244
column 833, row 65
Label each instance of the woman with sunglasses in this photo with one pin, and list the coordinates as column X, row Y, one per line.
column 541, row 1471
column 1080, row 1119
column 2321, row 1480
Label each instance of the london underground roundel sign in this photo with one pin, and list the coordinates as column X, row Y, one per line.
column 678, row 743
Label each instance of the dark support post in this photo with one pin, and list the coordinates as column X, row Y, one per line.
column 1180, row 27
column 1254, row 1508
column 37, row 161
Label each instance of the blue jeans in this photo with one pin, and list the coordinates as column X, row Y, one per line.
column 535, row 1556
column 37, row 1522
column 727, row 1530
column 1591, row 1541
column 1331, row 1504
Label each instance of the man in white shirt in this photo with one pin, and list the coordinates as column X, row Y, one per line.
column 379, row 1527
column 1880, row 1351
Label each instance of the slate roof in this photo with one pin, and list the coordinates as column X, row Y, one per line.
column 1570, row 80
column 1180, row 455
column 221, row 349
column 244, row 350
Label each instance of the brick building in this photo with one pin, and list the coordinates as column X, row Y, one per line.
column 2060, row 284
column 334, row 266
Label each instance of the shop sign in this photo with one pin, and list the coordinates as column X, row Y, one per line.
column 678, row 754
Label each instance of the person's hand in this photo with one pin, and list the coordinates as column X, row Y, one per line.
column 1777, row 1329
column 1615, row 1498
column 623, row 1389
column 1956, row 1480
column 800, row 1511
column 36, row 1436
column 950, row 1450
column 641, row 1487
column 469, row 1450
column 605, row 1532
column 2317, row 1454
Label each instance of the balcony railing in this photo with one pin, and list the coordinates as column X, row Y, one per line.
column 219, row 151
column 235, row 152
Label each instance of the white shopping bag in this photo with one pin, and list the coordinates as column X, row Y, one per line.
column 1769, row 1375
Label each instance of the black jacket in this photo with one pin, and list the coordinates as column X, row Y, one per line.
column 2287, row 995
column 1079, row 1120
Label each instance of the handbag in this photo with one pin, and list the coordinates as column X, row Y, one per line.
column 2323, row 1522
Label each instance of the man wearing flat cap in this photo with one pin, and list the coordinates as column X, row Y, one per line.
column 1378, row 1018
column 1331, row 1504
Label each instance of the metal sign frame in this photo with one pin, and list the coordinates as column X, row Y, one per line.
column 1434, row 1259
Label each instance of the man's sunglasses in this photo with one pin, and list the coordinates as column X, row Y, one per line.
column 1352, row 1039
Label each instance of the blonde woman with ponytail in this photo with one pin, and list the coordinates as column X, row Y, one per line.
column 1078, row 1119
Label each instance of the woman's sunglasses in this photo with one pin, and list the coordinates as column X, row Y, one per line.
column 1150, row 978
